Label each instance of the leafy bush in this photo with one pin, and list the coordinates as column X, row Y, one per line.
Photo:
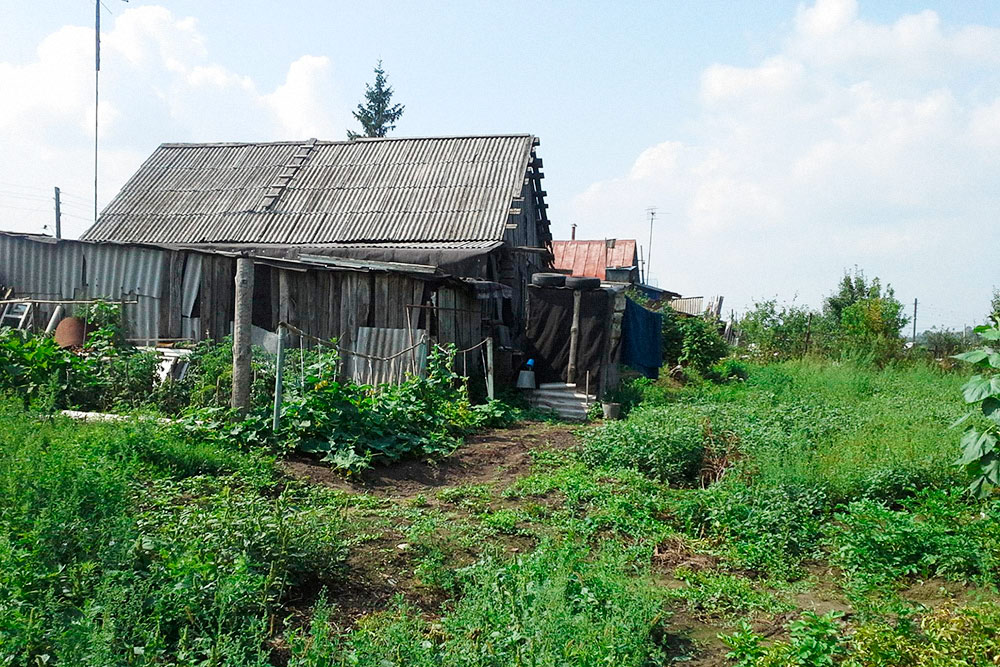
column 772, row 331
column 113, row 550
column 766, row 530
column 702, row 345
column 729, row 370
column 34, row 366
column 949, row 635
column 352, row 425
column 101, row 376
column 936, row 537
column 661, row 443
column 979, row 453
column 814, row 641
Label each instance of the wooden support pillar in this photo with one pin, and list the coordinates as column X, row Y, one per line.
column 574, row 339
column 241, row 335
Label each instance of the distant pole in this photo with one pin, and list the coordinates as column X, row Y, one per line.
column 914, row 321
column 241, row 335
column 649, row 256
column 58, row 216
column 97, row 80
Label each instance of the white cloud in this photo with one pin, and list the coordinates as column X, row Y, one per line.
column 855, row 142
column 159, row 83
column 302, row 103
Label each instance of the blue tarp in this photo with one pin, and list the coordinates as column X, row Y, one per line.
column 642, row 348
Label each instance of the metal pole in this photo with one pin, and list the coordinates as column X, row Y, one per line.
column 97, row 80
column 58, row 216
column 914, row 321
column 241, row 335
column 489, row 368
column 649, row 256
column 278, row 379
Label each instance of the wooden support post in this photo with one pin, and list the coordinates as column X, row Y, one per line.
column 574, row 335
column 241, row 335
column 278, row 379
column 489, row 368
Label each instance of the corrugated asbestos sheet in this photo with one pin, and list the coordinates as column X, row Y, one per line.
column 442, row 190
column 591, row 257
column 48, row 269
column 386, row 343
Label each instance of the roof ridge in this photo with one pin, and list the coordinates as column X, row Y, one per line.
column 331, row 142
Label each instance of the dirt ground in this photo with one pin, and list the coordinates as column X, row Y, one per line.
column 381, row 568
column 496, row 456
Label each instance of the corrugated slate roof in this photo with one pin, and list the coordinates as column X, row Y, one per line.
column 591, row 257
column 443, row 190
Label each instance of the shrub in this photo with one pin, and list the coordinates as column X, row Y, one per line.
column 661, row 443
column 773, row 332
column 938, row 537
column 702, row 345
column 729, row 370
column 767, row 530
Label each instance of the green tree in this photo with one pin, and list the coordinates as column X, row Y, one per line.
column 702, row 345
column 864, row 318
column 776, row 331
column 995, row 307
column 377, row 114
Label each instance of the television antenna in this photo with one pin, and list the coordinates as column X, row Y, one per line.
column 97, row 86
column 651, row 212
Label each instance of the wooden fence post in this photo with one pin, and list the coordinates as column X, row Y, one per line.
column 574, row 335
column 241, row 335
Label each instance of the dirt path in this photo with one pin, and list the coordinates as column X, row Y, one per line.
column 382, row 565
column 497, row 456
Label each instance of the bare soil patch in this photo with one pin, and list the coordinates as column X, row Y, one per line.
column 496, row 456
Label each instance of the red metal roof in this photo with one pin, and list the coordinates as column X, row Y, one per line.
column 590, row 258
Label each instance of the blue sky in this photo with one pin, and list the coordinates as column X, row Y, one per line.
column 782, row 142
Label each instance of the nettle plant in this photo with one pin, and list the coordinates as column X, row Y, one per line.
column 979, row 442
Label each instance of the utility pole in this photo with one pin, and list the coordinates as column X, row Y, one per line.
column 58, row 216
column 242, row 323
column 914, row 321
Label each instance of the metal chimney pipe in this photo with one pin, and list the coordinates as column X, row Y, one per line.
column 572, row 234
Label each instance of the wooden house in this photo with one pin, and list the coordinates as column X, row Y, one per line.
column 469, row 209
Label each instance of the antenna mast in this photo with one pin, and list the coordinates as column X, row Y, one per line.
column 649, row 249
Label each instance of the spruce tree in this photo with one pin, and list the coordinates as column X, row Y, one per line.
column 376, row 116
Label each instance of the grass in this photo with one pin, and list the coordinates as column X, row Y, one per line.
column 795, row 512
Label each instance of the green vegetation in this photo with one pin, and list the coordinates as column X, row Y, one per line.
column 120, row 544
column 804, row 512
column 860, row 320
